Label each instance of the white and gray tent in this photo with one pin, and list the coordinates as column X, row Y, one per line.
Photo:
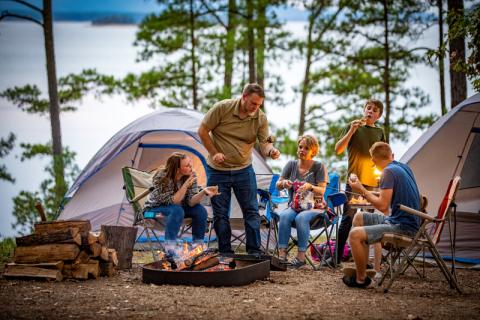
column 97, row 194
column 451, row 147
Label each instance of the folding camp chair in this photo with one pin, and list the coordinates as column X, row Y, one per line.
column 137, row 185
column 324, row 222
column 406, row 249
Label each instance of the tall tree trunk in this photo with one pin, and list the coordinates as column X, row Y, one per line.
column 229, row 48
column 441, row 59
column 458, row 80
column 251, row 43
column 192, row 56
column 306, row 77
column 386, row 72
column 58, row 165
column 261, row 26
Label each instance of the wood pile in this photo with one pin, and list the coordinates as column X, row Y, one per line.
column 62, row 249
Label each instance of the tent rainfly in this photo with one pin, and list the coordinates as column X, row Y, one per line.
column 451, row 147
column 97, row 194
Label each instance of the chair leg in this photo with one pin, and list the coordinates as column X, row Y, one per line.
column 441, row 263
column 210, row 227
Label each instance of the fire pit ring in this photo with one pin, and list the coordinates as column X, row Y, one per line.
column 248, row 271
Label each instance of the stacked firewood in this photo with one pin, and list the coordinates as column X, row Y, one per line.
column 62, row 249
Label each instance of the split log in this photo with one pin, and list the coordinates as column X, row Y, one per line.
column 122, row 239
column 80, row 271
column 95, row 249
column 112, row 256
column 70, row 235
column 41, row 211
column 46, row 253
column 84, row 226
column 45, row 265
column 93, row 269
column 21, row 271
column 104, row 254
column 96, row 237
column 107, row 269
column 83, row 257
column 101, row 238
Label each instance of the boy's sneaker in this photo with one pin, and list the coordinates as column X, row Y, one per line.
column 296, row 264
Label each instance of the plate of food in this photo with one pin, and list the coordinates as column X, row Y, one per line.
column 359, row 201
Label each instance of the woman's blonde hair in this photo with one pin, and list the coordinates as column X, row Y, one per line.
column 312, row 143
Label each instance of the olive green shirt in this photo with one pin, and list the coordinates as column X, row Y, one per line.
column 232, row 136
column 359, row 160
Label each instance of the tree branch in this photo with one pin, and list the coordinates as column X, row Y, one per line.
column 214, row 14
column 6, row 14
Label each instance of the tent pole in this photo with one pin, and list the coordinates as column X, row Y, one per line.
column 468, row 141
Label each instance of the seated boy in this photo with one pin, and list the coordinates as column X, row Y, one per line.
column 397, row 186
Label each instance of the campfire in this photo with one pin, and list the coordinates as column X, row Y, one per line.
column 198, row 258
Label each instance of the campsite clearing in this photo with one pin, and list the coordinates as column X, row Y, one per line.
column 304, row 294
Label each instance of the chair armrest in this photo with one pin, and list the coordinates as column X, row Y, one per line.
column 142, row 195
column 417, row 213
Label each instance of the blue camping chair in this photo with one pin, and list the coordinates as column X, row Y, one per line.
column 325, row 221
column 269, row 201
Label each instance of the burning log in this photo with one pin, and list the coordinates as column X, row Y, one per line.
column 210, row 262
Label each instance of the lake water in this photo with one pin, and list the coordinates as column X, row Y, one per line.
column 109, row 49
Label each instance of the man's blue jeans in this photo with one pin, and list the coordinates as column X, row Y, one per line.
column 175, row 213
column 244, row 185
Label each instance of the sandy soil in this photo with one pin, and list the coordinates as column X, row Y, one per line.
column 302, row 294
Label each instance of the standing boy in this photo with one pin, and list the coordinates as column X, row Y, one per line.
column 357, row 138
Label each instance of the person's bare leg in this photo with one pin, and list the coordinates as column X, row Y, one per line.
column 301, row 256
column 282, row 253
column 357, row 239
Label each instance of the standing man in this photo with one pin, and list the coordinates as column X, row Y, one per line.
column 229, row 131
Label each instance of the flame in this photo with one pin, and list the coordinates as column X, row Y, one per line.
column 165, row 266
column 196, row 251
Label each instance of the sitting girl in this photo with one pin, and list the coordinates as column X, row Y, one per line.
column 176, row 197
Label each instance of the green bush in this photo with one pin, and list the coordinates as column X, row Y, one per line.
column 7, row 246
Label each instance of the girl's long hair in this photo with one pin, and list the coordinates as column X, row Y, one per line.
column 171, row 168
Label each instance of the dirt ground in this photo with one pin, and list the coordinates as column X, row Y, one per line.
column 295, row 294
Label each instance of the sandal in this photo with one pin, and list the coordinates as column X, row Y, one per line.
column 296, row 264
column 352, row 282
